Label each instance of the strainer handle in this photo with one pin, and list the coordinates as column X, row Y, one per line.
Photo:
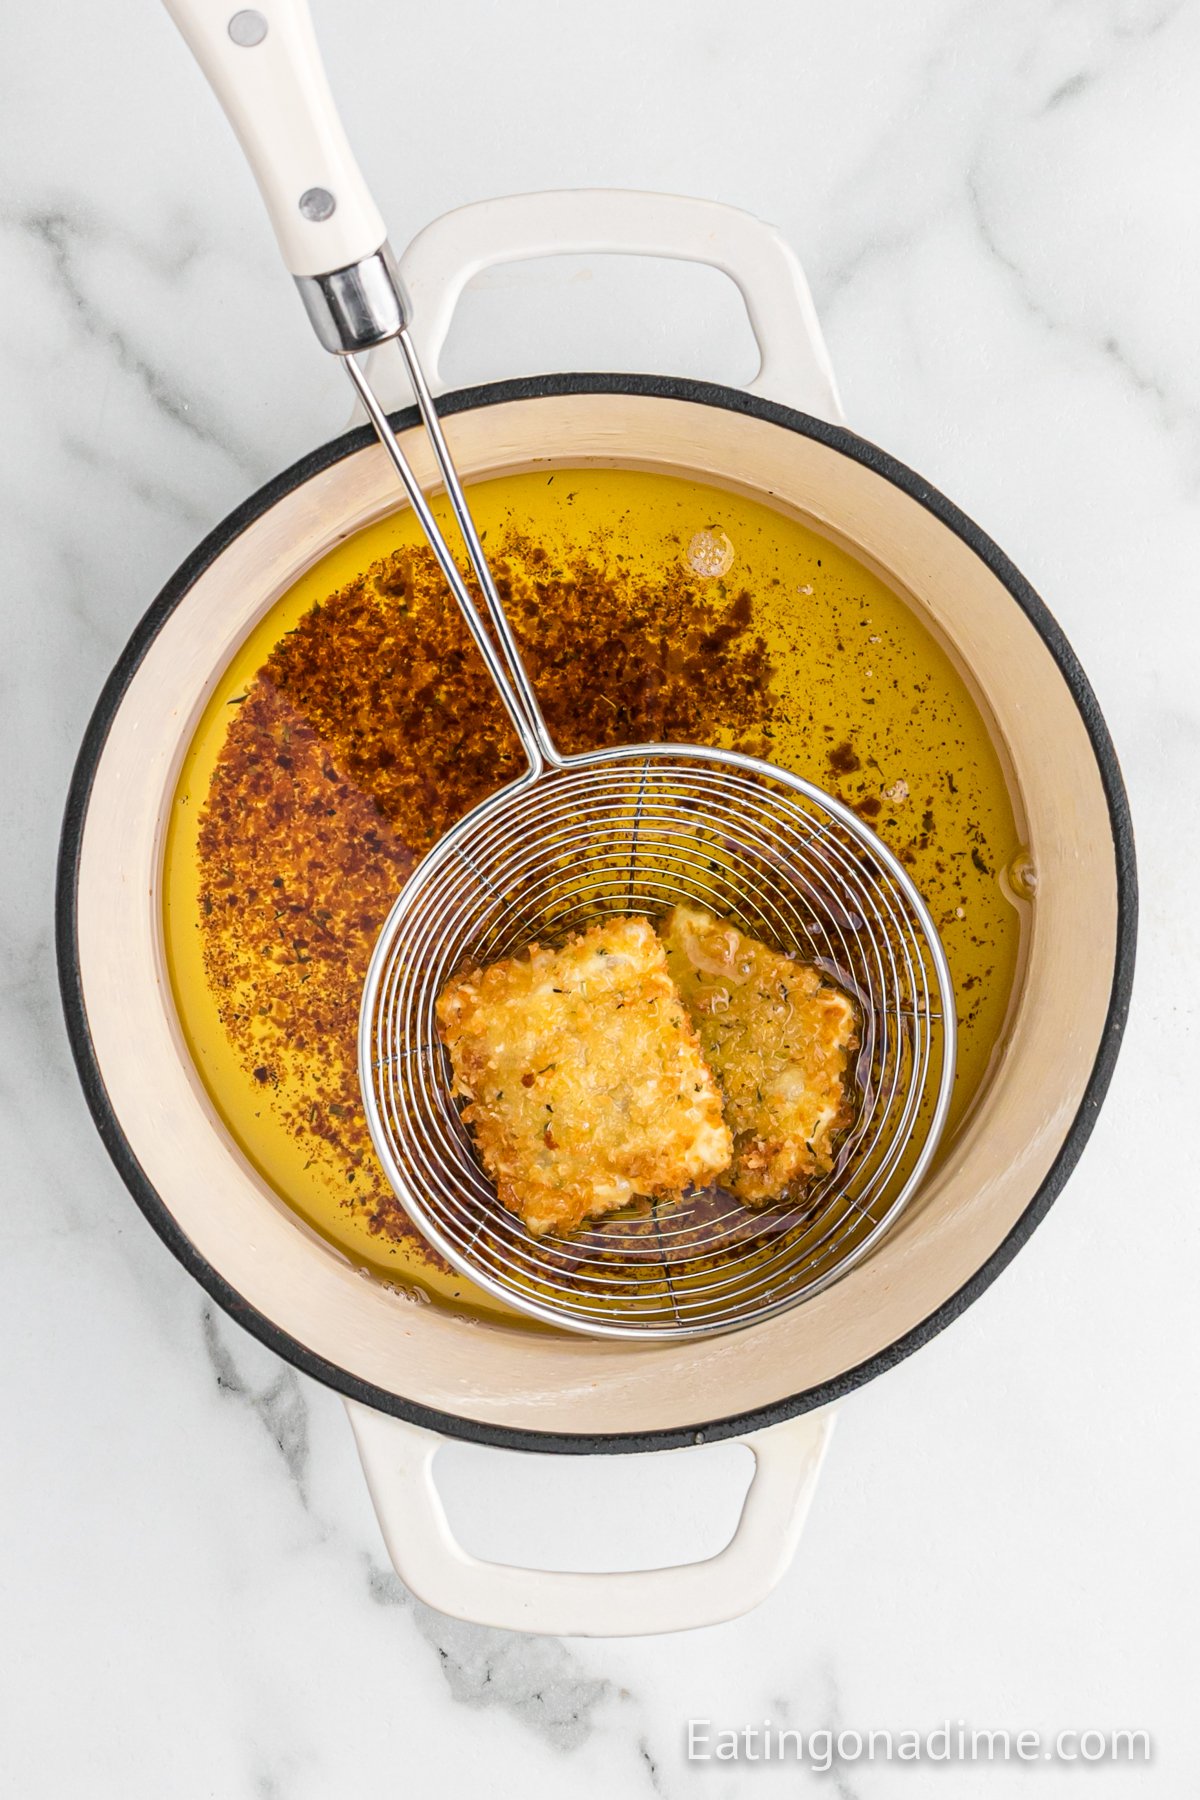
column 263, row 64
column 398, row 1461
column 794, row 363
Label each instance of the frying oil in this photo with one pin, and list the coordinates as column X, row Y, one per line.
column 355, row 724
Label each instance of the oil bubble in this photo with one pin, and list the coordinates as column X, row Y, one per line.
column 1019, row 880
column 710, row 553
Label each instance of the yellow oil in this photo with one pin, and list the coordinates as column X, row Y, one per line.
column 737, row 625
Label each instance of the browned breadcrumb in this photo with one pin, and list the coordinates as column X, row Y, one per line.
column 298, row 870
column 372, row 727
column 778, row 1039
column 584, row 1079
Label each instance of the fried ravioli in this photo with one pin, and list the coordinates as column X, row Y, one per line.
column 778, row 1039
column 583, row 1075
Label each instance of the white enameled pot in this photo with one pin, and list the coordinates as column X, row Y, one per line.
column 414, row 1375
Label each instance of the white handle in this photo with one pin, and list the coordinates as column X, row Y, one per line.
column 794, row 363
column 398, row 1460
column 263, row 64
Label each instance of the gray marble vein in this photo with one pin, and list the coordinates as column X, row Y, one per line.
column 1041, row 308
column 279, row 1404
column 160, row 496
column 66, row 236
column 654, row 1773
column 536, row 1679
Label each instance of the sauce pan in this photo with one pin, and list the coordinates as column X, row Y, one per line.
column 414, row 1375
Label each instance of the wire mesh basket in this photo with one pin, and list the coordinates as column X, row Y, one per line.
column 636, row 831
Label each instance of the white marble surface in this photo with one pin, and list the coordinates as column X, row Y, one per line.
column 997, row 209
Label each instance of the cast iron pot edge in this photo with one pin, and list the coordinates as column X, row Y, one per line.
column 70, row 979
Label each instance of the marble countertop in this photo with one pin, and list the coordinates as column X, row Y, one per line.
column 996, row 208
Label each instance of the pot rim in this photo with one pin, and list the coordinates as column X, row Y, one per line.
column 155, row 1209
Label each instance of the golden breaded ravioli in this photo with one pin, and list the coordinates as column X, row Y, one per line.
column 778, row 1039
column 584, row 1078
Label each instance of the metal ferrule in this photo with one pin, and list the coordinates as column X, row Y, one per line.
column 351, row 309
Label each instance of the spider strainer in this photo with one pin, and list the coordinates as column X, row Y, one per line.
column 624, row 830
column 635, row 829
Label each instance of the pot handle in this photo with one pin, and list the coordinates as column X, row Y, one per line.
column 398, row 1461
column 794, row 364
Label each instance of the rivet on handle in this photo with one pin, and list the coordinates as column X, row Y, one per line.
column 247, row 28
column 317, row 204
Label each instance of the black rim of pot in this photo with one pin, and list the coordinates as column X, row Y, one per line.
column 70, row 976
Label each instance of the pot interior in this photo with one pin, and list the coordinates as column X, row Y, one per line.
column 314, row 717
column 356, row 724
